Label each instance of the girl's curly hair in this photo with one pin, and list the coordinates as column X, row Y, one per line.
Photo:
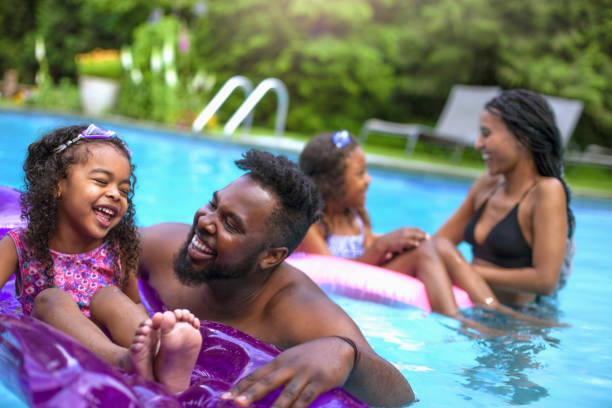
column 325, row 164
column 44, row 167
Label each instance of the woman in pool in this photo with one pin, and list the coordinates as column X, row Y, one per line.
column 516, row 216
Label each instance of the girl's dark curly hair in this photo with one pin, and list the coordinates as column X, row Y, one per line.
column 44, row 168
column 325, row 164
column 530, row 118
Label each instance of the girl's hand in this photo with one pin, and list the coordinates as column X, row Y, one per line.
column 387, row 246
column 402, row 239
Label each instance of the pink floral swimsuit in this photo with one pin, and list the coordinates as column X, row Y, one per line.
column 80, row 275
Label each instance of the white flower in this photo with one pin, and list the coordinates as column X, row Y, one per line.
column 171, row 77
column 156, row 62
column 126, row 59
column 39, row 49
column 168, row 53
column 136, row 76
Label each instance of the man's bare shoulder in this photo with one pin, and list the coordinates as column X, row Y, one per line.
column 294, row 282
column 160, row 242
column 303, row 310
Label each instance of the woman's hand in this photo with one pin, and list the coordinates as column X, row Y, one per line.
column 306, row 371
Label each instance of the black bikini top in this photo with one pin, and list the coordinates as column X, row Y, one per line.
column 505, row 244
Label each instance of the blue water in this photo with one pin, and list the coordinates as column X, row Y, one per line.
column 554, row 367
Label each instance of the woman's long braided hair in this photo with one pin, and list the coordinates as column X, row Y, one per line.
column 44, row 167
column 530, row 118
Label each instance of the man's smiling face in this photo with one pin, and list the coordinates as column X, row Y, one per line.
column 229, row 234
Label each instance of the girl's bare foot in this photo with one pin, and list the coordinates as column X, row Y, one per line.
column 180, row 342
column 144, row 347
column 184, row 315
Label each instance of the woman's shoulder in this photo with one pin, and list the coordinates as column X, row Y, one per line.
column 487, row 181
column 484, row 186
column 548, row 188
column 161, row 239
column 549, row 185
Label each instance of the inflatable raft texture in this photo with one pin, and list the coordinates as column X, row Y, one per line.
column 45, row 368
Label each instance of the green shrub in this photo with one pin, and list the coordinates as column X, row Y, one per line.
column 61, row 97
column 165, row 93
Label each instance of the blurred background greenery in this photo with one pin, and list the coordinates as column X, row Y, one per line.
column 343, row 61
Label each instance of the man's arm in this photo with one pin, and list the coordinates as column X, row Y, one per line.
column 317, row 361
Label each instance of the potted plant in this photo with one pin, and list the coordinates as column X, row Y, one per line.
column 99, row 73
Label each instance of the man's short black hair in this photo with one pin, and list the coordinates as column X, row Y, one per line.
column 300, row 203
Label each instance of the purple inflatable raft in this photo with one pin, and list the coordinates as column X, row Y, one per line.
column 45, row 368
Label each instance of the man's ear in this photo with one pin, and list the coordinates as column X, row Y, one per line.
column 273, row 257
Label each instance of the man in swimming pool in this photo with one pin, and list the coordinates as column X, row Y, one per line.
column 231, row 270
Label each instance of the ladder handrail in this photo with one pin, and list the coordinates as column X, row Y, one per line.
column 247, row 107
column 220, row 97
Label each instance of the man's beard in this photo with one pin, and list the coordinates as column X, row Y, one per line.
column 190, row 276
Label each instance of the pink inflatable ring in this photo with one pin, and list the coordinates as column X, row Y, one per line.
column 367, row 282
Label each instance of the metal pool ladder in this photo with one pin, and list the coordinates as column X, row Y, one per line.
column 244, row 113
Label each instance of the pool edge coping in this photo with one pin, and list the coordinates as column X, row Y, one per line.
column 295, row 146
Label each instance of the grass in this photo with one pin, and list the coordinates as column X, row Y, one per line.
column 590, row 179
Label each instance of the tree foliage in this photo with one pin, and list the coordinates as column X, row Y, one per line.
column 344, row 61
column 347, row 60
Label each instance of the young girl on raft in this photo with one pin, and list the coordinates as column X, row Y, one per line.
column 75, row 261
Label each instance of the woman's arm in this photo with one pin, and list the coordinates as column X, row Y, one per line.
column 8, row 259
column 549, row 223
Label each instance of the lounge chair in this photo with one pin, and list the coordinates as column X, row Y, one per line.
column 567, row 112
column 594, row 155
column 457, row 125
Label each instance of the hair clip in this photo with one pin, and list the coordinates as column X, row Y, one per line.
column 341, row 139
column 92, row 132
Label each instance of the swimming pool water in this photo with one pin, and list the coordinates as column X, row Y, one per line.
column 558, row 367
